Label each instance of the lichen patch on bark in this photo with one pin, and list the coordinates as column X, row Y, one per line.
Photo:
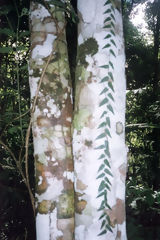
column 45, row 206
column 117, row 213
column 119, row 128
column 122, row 170
column 118, row 237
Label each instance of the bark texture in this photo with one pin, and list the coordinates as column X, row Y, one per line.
column 98, row 138
column 51, row 124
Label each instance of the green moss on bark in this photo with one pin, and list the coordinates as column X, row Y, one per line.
column 45, row 207
column 81, row 118
column 65, row 205
column 89, row 47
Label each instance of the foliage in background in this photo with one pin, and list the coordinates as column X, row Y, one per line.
column 142, row 128
column 16, row 215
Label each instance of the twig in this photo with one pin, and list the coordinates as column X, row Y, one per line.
column 21, row 172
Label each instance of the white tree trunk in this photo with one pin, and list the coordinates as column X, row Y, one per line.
column 51, row 124
column 99, row 123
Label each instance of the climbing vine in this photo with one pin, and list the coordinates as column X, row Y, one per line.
column 104, row 171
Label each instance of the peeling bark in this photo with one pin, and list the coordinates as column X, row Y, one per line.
column 51, row 124
column 100, row 58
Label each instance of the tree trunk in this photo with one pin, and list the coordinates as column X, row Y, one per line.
column 51, row 123
column 98, row 138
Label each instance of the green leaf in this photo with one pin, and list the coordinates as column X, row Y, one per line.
column 111, row 64
column 13, row 130
column 105, row 79
column 100, row 147
column 108, row 121
column 110, row 85
column 104, row 66
column 107, row 11
column 108, row 36
column 110, row 96
column 104, row 91
column 102, row 206
column 108, row 172
column 111, row 75
column 107, row 19
column 113, row 25
column 7, row 31
column 107, row 180
column 103, row 124
column 101, row 187
column 102, row 233
column 101, row 167
column 100, row 176
column 107, row 26
column 101, row 136
column 107, row 2
column 102, row 194
column 112, row 52
column 110, row 108
column 113, row 8
column 113, row 33
column 113, row 42
column 108, row 227
column 20, row 48
column 103, row 223
column 112, row 16
column 107, row 149
column 25, row 67
column 107, row 163
column 104, row 113
column 24, row 34
column 107, row 46
column 104, row 101
column 102, row 203
column 102, row 216
column 107, row 152
column 107, row 205
column 102, row 156
column 6, row 49
column 107, row 132
column 107, row 186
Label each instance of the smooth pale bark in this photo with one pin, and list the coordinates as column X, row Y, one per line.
column 51, row 124
column 98, row 139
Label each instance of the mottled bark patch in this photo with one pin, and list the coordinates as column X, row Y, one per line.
column 43, row 121
column 89, row 47
column 67, row 227
column 80, row 185
column 119, row 128
column 118, row 237
column 122, row 170
column 79, row 204
column 40, row 172
column 45, row 206
column 81, row 118
column 65, row 205
column 88, row 143
column 117, row 213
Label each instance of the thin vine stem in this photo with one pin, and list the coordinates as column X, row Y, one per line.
column 17, row 75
